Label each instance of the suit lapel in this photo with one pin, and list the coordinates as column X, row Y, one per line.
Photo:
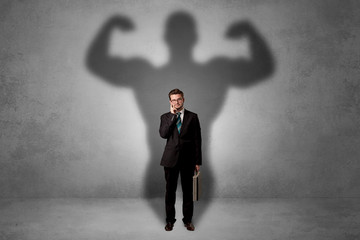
column 176, row 132
column 185, row 122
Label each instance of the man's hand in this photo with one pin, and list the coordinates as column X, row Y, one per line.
column 197, row 168
column 173, row 109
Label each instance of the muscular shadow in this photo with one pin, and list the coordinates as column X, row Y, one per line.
column 204, row 86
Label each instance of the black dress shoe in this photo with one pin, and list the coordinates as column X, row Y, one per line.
column 189, row 226
column 169, row 226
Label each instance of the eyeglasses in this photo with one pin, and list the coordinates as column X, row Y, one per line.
column 176, row 100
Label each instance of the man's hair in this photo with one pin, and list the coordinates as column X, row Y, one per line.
column 176, row 91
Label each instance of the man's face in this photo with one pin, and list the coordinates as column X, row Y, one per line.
column 177, row 101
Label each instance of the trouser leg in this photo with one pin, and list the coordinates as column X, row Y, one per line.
column 171, row 177
column 187, row 188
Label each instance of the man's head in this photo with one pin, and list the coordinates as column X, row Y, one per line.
column 176, row 98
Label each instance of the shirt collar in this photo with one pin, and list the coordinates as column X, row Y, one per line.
column 182, row 114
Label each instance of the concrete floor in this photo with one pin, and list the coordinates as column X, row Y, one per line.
column 55, row 219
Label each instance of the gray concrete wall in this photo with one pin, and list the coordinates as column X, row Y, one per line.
column 67, row 132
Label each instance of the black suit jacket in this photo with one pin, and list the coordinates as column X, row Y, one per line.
column 184, row 146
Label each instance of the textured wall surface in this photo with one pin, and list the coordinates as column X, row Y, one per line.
column 67, row 132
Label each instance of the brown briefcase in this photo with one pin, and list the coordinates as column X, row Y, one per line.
column 196, row 186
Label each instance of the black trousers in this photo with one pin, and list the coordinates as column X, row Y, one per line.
column 171, row 177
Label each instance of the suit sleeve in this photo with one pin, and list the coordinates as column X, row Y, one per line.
column 198, row 142
column 167, row 125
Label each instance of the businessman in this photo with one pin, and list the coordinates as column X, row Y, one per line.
column 182, row 156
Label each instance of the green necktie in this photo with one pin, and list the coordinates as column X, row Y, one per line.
column 178, row 121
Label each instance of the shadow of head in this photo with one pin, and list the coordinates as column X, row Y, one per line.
column 180, row 32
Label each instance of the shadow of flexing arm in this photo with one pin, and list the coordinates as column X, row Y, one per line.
column 205, row 86
column 115, row 70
